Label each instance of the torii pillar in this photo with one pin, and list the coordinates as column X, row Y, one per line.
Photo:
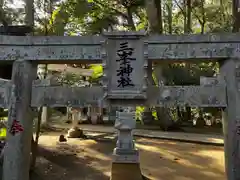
column 230, row 72
column 125, row 66
column 19, row 132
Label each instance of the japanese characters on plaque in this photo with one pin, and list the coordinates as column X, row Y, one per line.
column 126, row 70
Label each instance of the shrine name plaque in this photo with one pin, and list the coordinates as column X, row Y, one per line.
column 125, row 64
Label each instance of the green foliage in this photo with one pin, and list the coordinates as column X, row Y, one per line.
column 74, row 17
column 87, row 17
column 188, row 74
column 70, row 79
column 138, row 112
column 59, row 20
column 97, row 71
column 3, row 133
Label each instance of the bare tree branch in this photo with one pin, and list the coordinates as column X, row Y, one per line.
column 113, row 9
column 182, row 10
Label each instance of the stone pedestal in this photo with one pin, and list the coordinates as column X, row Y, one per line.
column 76, row 116
column 75, row 132
column 94, row 115
column 125, row 163
column 124, row 171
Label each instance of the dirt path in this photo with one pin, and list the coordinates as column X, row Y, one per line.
column 90, row 159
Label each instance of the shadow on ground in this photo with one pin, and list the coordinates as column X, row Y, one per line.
column 68, row 164
column 160, row 159
column 174, row 160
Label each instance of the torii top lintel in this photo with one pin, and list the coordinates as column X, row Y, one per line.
column 88, row 49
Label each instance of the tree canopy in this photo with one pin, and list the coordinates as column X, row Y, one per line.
column 93, row 17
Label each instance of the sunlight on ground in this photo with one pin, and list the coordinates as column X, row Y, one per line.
column 167, row 155
column 166, row 160
column 97, row 154
column 212, row 154
column 83, row 151
column 215, row 140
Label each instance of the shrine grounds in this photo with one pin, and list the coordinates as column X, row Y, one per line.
column 90, row 159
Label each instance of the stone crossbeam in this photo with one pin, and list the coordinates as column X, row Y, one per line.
column 193, row 96
column 58, row 96
column 44, row 93
column 4, row 92
column 66, row 96
column 87, row 49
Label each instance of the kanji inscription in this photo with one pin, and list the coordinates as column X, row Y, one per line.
column 125, row 70
column 16, row 127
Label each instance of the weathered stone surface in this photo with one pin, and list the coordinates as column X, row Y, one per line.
column 88, row 48
column 193, row 96
column 125, row 151
column 66, row 96
column 125, row 63
column 230, row 70
column 195, row 38
column 54, row 53
column 49, row 40
column 19, row 131
column 46, row 82
column 75, row 132
column 39, row 82
column 3, row 82
column 4, row 92
column 126, row 171
column 193, row 51
column 5, row 89
column 123, row 121
column 57, row 96
column 211, row 81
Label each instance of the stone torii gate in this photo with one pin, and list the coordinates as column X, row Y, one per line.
column 126, row 57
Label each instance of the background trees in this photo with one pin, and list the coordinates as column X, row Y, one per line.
column 88, row 17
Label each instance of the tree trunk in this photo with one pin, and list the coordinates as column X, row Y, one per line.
column 35, row 142
column 185, row 16
column 203, row 21
column 188, row 113
column 188, row 29
column 42, row 111
column 163, row 114
column 189, row 16
column 147, row 114
column 2, row 14
column 222, row 7
column 154, row 13
column 236, row 15
column 130, row 19
column 169, row 11
column 48, row 9
column 29, row 20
